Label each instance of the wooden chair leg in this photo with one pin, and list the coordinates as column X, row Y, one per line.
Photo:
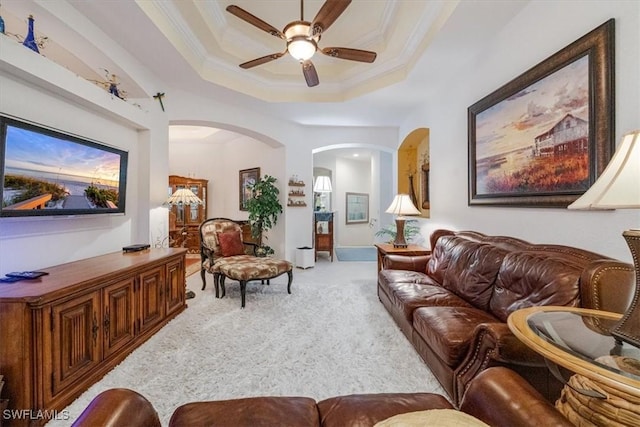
column 216, row 283
column 204, row 280
column 243, row 291
column 223, row 289
column 290, row 274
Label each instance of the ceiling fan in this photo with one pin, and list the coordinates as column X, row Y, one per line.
column 302, row 38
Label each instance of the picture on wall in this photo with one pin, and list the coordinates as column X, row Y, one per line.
column 248, row 177
column 543, row 138
column 357, row 207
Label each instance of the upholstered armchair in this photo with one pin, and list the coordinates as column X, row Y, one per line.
column 221, row 240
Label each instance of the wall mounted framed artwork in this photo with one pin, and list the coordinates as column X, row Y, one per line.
column 357, row 208
column 542, row 139
column 248, row 177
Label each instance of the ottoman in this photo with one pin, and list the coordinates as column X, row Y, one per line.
column 254, row 268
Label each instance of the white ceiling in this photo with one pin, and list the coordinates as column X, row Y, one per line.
column 196, row 46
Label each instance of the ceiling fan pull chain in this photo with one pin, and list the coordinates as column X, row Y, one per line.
column 302, row 10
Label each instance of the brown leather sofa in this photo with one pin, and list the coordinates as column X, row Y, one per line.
column 453, row 305
column 498, row 396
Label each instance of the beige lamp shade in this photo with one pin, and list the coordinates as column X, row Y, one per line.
column 619, row 188
column 322, row 185
column 183, row 196
column 402, row 205
column 619, row 185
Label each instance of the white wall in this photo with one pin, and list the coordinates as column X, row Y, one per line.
column 541, row 29
column 352, row 176
column 296, row 224
column 35, row 89
column 220, row 162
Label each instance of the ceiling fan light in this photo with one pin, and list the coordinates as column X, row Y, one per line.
column 301, row 48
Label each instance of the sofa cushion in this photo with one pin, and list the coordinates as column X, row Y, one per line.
column 531, row 279
column 449, row 330
column 409, row 296
column 248, row 412
column 368, row 409
column 467, row 268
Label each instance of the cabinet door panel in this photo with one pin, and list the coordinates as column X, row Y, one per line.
column 75, row 344
column 119, row 316
column 175, row 292
column 151, row 298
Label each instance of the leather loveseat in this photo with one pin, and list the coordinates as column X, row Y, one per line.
column 453, row 305
column 499, row 397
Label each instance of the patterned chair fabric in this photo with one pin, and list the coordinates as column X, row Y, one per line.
column 242, row 268
column 210, row 252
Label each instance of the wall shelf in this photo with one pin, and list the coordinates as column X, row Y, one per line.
column 296, row 195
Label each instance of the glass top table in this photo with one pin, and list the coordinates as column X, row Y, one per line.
column 579, row 340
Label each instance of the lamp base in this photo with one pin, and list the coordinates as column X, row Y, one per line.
column 400, row 242
column 628, row 329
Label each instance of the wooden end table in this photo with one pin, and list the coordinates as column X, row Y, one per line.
column 578, row 339
column 385, row 249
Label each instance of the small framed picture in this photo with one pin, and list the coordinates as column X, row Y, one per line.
column 248, row 177
column 357, row 207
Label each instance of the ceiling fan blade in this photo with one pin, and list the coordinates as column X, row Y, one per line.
column 254, row 20
column 310, row 74
column 350, row 54
column 327, row 15
column 262, row 60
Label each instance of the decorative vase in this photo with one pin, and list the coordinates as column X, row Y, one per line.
column 1, row 25
column 30, row 40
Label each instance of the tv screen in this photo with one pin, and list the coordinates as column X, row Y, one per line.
column 46, row 172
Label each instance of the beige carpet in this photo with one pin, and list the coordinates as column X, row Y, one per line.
column 330, row 336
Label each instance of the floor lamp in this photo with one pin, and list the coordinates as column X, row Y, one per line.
column 181, row 197
column 619, row 188
column 401, row 206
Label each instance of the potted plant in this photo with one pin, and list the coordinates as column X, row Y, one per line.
column 264, row 208
column 411, row 231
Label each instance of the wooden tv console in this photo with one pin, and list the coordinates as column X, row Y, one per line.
column 61, row 333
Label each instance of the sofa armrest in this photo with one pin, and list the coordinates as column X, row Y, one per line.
column 500, row 397
column 493, row 345
column 118, row 407
column 406, row 262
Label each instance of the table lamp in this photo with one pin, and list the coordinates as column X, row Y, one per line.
column 619, row 188
column 322, row 185
column 401, row 206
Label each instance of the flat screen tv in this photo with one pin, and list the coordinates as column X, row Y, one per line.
column 46, row 172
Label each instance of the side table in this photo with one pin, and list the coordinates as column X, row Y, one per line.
column 579, row 340
column 385, row 249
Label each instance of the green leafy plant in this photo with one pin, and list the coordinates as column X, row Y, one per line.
column 264, row 250
column 264, row 207
column 411, row 231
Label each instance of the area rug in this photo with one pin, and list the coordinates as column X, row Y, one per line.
column 192, row 264
column 368, row 253
column 330, row 336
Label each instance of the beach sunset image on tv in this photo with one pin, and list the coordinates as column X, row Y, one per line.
column 45, row 172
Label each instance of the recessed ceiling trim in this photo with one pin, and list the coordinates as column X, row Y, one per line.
column 216, row 59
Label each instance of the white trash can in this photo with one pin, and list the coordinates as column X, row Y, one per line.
column 305, row 257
